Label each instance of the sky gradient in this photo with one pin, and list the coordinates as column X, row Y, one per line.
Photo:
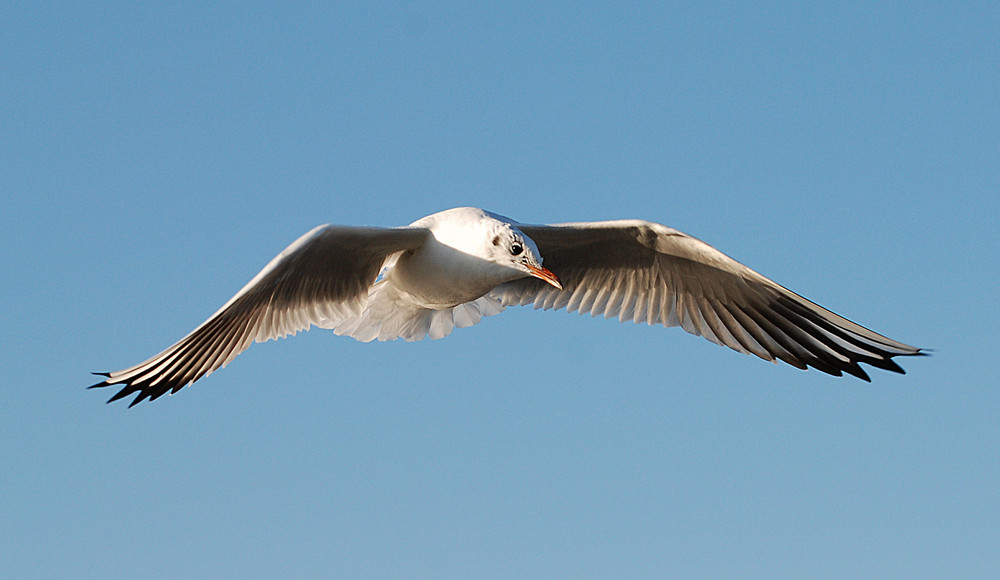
column 154, row 158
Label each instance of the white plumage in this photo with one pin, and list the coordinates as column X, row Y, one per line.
column 452, row 268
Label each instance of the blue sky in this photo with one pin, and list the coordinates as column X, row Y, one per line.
column 154, row 158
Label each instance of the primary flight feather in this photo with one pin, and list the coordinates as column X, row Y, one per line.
column 452, row 268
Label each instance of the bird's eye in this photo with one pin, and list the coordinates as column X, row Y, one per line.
column 516, row 249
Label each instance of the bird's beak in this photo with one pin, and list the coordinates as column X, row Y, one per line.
column 544, row 274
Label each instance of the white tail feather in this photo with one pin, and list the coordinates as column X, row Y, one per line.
column 389, row 315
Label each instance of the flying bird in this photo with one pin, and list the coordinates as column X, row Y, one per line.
column 452, row 268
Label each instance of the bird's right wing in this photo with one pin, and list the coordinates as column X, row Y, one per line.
column 647, row 272
column 323, row 276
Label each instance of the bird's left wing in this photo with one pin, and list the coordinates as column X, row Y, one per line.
column 323, row 277
column 647, row 272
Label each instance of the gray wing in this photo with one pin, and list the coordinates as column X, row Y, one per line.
column 324, row 276
column 646, row 272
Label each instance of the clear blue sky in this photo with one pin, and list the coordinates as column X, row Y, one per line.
column 154, row 158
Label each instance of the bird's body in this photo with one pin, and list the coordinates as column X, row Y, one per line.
column 447, row 269
column 452, row 268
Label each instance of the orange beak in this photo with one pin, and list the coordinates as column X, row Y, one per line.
column 544, row 274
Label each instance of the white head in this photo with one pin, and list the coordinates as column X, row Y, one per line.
column 490, row 237
column 508, row 246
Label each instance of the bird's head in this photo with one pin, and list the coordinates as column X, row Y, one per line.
column 490, row 237
column 509, row 247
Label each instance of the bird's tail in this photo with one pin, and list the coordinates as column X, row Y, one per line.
column 390, row 314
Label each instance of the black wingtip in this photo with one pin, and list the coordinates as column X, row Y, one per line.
column 890, row 365
column 120, row 394
column 124, row 392
column 855, row 370
column 102, row 383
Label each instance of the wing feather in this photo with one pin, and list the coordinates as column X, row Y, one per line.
column 646, row 272
column 321, row 278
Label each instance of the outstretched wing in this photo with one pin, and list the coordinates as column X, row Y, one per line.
column 323, row 277
column 646, row 272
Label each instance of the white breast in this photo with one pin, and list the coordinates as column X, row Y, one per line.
column 440, row 276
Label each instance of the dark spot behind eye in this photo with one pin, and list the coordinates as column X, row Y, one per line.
column 496, row 240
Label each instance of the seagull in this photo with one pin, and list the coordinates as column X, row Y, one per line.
column 452, row 268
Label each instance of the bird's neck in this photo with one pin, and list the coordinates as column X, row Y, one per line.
column 439, row 276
